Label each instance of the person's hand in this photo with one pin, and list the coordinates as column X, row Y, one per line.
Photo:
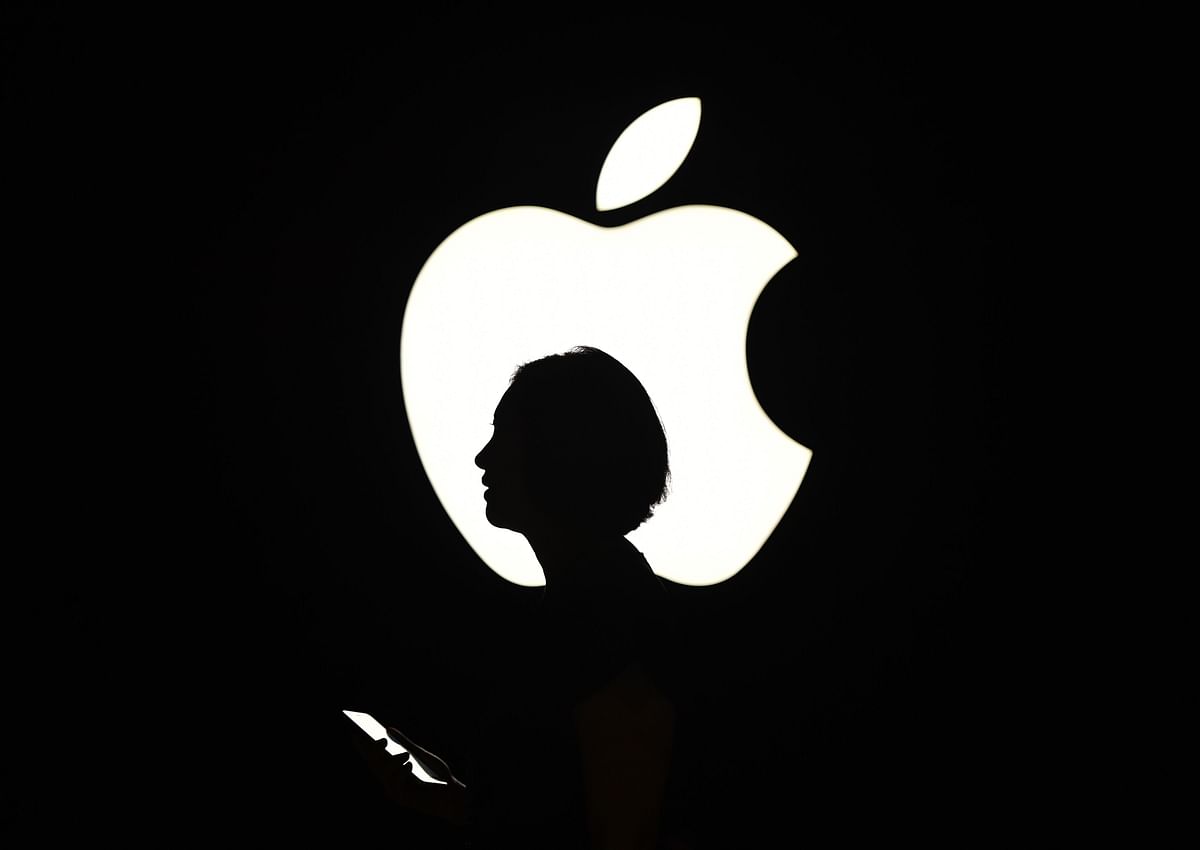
column 395, row 774
column 432, row 764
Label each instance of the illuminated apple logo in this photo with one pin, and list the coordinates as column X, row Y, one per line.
column 669, row 295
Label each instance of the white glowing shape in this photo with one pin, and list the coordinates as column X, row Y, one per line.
column 376, row 730
column 648, row 152
column 670, row 296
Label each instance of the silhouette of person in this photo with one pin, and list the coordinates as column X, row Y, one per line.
column 574, row 742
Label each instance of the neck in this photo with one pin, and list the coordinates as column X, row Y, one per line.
column 561, row 554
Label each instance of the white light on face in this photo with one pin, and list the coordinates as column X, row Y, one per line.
column 670, row 296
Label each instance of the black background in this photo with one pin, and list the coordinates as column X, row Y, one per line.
column 223, row 213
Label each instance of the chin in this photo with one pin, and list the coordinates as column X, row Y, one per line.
column 497, row 518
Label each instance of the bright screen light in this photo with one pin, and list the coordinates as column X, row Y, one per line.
column 376, row 730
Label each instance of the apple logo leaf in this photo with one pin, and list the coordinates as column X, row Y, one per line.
column 648, row 153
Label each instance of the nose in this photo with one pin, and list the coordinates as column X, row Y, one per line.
column 481, row 459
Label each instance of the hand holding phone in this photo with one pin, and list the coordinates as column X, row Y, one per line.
column 425, row 765
column 411, row 775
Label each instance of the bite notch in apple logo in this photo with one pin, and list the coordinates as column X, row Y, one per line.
column 669, row 295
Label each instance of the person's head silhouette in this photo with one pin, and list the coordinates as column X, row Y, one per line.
column 577, row 450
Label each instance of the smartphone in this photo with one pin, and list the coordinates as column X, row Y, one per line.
column 376, row 730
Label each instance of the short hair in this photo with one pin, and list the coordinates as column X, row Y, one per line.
column 595, row 449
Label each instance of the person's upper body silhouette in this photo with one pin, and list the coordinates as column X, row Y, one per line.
column 575, row 739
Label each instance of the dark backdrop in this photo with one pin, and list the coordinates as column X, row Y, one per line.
column 227, row 210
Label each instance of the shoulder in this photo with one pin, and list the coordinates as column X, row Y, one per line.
column 628, row 723
column 632, row 693
column 625, row 730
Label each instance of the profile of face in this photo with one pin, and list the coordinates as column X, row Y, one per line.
column 576, row 448
column 504, row 474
